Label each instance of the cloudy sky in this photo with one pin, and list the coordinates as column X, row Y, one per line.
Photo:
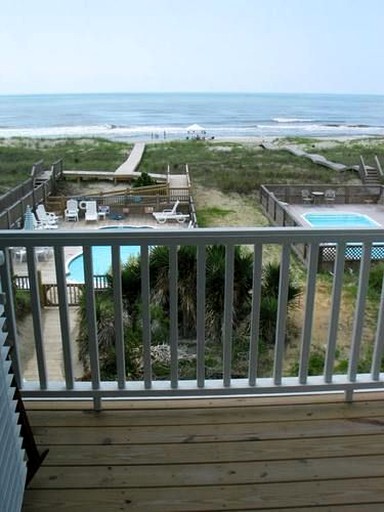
column 68, row 46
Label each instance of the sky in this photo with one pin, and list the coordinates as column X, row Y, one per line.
column 85, row 46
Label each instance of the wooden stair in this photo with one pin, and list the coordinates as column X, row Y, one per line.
column 372, row 176
column 369, row 175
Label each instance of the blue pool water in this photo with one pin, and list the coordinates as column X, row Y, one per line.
column 102, row 257
column 339, row 220
column 102, row 261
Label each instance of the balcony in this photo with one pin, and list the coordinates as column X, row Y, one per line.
column 263, row 439
column 311, row 453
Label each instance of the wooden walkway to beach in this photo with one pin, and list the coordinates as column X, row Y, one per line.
column 315, row 158
column 128, row 169
column 368, row 174
column 130, row 165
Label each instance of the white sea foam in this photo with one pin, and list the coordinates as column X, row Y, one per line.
column 148, row 132
column 291, row 120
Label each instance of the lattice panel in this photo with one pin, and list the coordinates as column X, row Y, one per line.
column 352, row 252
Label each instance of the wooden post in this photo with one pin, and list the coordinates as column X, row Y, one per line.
column 43, row 299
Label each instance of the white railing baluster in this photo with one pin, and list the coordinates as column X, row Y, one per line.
column 255, row 313
column 36, row 316
column 200, row 315
column 146, row 315
column 93, row 346
column 228, row 314
column 118, row 310
column 64, row 316
column 379, row 340
column 173, row 314
column 281, row 315
column 359, row 311
column 306, row 336
column 335, row 312
column 200, row 384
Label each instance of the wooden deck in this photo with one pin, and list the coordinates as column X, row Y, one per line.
column 312, row 453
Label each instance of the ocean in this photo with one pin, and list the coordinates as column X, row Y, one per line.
column 142, row 117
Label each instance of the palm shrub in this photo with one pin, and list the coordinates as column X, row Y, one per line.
column 159, row 272
column 269, row 300
column 376, row 278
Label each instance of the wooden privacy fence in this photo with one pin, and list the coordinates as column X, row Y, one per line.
column 31, row 192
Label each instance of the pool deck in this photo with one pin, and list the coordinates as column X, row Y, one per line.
column 374, row 211
column 47, row 268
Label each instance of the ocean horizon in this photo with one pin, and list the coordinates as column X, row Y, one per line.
column 152, row 116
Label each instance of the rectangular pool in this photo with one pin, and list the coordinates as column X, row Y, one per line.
column 339, row 220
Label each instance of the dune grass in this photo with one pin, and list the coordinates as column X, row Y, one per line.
column 232, row 167
column 226, row 166
column 19, row 154
column 207, row 216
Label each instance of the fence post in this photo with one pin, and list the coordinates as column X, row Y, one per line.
column 43, row 299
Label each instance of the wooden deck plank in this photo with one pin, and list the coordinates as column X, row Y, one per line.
column 221, row 497
column 203, row 433
column 176, row 475
column 201, row 415
column 187, row 453
column 363, row 507
column 206, row 403
column 288, row 456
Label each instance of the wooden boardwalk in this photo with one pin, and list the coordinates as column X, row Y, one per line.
column 130, row 165
column 313, row 453
column 315, row 158
column 125, row 172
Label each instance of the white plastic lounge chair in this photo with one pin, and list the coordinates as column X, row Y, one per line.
column 45, row 217
column 170, row 214
column 72, row 210
column 51, row 215
column 38, row 224
column 91, row 211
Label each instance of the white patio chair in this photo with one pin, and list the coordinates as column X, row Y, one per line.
column 329, row 196
column 19, row 253
column 306, row 196
column 91, row 211
column 72, row 210
column 45, row 217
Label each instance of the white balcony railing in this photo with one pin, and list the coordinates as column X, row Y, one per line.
column 251, row 382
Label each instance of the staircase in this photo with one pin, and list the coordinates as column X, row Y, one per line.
column 178, row 186
column 372, row 176
column 369, row 175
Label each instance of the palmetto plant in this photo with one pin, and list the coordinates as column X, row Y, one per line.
column 188, row 297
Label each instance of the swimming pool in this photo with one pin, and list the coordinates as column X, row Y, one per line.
column 102, row 256
column 339, row 220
